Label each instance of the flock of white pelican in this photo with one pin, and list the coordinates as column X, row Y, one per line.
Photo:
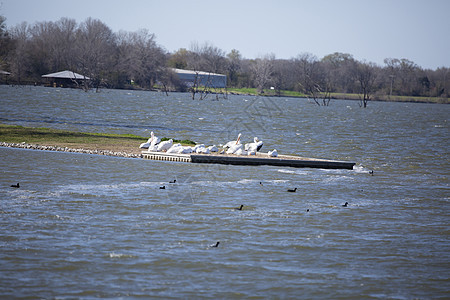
column 233, row 147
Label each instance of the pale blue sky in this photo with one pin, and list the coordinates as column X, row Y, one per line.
column 370, row 30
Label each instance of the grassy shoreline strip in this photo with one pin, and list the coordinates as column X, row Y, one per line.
column 18, row 134
column 128, row 143
column 339, row 96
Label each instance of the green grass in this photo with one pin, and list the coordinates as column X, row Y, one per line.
column 183, row 142
column 267, row 92
column 286, row 93
column 343, row 96
column 18, row 134
column 392, row 98
column 49, row 136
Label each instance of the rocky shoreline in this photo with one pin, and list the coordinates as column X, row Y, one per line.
column 67, row 149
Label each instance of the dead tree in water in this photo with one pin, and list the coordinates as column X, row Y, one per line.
column 366, row 76
column 204, row 85
column 312, row 79
column 194, row 88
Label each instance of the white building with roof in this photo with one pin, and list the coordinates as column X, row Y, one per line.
column 65, row 78
column 202, row 78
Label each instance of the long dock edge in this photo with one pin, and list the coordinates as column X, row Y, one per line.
column 282, row 160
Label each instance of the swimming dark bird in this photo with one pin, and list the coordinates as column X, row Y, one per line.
column 371, row 172
column 162, row 187
column 292, row 190
column 260, row 183
column 307, row 210
column 345, row 205
column 173, row 181
column 216, row 245
column 239, row 208
column 16, row 185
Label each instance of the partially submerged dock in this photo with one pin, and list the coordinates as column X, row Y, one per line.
column 252, row 160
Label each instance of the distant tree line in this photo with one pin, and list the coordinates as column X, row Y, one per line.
column 134, row 59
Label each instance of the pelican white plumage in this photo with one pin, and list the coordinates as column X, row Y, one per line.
column 175, row 148
column 145, row 145
column 255, row 146
column 153, row 147
column 259, row 144
column 234, row 148
column 164, row 146
column 185, row 150
column 201, row 149
column 240, row 151
column 213, row 148
column 231, row 143
column 152, row 141
column 273, row 153
column 197, row 146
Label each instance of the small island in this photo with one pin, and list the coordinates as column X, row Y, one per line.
column 126, row 145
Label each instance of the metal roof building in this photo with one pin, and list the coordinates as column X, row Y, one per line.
column 208, row 79
column 66, row 75
column 65, row 79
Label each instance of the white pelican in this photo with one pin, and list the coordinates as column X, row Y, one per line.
column 236, row 142
column 213, row 148
column 197, row 146
column 164, row 146
column 273, row 153
column 251, row 152
column 240, row 151
column 175, row 148
column 235, row 148
column 148, row 143
column 259, row 144
column 145, row 145
column 153, row 140
column 201, row 149
column 185, row 150
column 153, row 147
column 255, row 146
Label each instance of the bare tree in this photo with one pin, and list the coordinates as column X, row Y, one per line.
column 205, row 58
column 6, row 43
column 95, row 48
column 263, row 71
column 234, row 66
column 311, row 77
column 281, row 74
column 140, row 57
column 339, row 69
column 19, row 58
column 366, row 76
column 42, row 47
column 62, row 51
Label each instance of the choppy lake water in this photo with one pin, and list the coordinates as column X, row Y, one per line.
column 86, row 226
